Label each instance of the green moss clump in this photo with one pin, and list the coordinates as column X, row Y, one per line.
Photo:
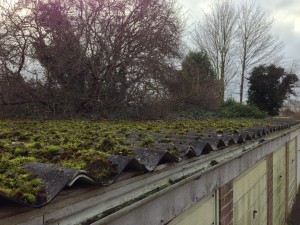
column 166, row 140
column 219, row 130
column 107, row 144
column 16, row 182
column 53, row 149
column 147, row 142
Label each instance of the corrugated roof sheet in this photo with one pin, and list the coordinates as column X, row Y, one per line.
column 56, row 178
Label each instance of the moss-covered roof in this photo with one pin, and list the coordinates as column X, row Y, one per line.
column 32, row 153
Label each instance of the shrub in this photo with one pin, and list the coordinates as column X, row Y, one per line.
column 229, row 109
column 233, row 109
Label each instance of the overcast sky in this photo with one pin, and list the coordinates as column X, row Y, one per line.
column 286, row 15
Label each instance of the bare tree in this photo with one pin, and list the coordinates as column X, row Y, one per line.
column 255, row 42
column 13, row 53
column 215, row 35
column 89, row 55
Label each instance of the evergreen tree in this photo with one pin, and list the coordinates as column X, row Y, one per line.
column 197, row 84
column 269, row 87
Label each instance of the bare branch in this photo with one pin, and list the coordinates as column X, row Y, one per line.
column 256, row 44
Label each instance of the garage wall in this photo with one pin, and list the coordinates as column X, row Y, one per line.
column 291, row 174
column 279, row 182
column 202, row 213
column 250, row 196
column 298, row 160
column 263, row 194
column 267, row 188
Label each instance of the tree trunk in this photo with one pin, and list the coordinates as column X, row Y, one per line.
column 242, row 82
column 222, row 82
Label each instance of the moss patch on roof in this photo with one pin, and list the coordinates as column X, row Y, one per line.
column 87, row 145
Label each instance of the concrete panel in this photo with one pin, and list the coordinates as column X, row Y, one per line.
column 203, row 213
column 279, row 178
column 298, row 159
column 292, row 174
column 250, row 196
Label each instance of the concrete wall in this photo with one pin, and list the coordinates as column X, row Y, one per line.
column 250, row 196
column 291, row 174
column 279, row 182
column 204, row 213
column 298, row 159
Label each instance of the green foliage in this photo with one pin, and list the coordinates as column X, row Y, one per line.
column 195, row 113
column 229, row 109
column 233, row 109
column 269, row 87
column 197, row 65
column 196, row 85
